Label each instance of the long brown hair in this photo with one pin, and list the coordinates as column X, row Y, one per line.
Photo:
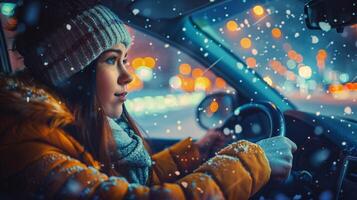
column 91, row 126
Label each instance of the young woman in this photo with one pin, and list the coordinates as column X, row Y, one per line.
column 59, row 139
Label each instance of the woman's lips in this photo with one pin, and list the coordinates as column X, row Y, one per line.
column 121, row 96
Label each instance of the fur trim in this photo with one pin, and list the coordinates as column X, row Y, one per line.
column 25, row 101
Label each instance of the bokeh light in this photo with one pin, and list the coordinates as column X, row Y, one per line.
column 276, row 33
column 299, row 58
column 8, row 9
column 213, row 107
column 290, row 76
column 144, row 73
column 305, row 72
column 185, row 69
column 344, row 77
column 277, row 66
column 220, row 83
column 268, row 80
column 245, row 43
column 351, row 86
column 232, row 25
column 143, row 62
column 321, row 54
column 291, row 64
column 138, row 62
column 258, row 10
column 188, row 84
column 197, row 72
column 149, row 62
column 335, row 88
column 251, row 62
column 292, row 54
column 202, row 84
column 175, row 82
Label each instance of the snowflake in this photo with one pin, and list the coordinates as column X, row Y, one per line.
column 135, row 11
column 68, row 27
column 348, row 110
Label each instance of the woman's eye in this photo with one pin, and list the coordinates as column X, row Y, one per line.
column 111, row 60
column 125, row 61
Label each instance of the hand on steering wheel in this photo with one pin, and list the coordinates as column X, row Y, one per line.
column 211, row 142
column 214, row 139
column 278, row 148
column 279, row 152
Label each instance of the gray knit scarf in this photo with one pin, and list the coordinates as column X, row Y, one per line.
column 134, row 160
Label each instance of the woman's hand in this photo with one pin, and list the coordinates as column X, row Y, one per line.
column 212, row 141
column 279, row 151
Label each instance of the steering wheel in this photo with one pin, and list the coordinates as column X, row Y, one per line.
column 272, row 116
column 277, row 128
column 271, row 112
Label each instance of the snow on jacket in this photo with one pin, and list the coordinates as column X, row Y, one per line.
column 40, row 160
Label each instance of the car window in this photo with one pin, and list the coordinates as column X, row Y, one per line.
column 314, row 69
column 168, row 85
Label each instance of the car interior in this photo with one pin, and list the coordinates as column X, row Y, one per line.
column 325, row 164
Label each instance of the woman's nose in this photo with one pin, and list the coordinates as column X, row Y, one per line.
column 124, row 77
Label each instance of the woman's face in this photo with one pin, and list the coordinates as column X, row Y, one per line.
column 112, row 78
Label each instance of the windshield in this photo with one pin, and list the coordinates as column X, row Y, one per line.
column 314, row 69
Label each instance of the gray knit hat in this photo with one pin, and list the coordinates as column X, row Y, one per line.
column 75, row 43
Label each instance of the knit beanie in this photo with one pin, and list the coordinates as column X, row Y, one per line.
column 59, row 38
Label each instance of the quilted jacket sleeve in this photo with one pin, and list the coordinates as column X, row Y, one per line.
column 236, row 173
column 176, row 161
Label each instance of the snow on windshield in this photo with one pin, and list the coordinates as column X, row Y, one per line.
column 315, row 69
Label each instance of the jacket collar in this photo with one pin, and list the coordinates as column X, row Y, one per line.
column 30, row 113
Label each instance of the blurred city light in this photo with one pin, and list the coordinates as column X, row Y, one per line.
column 213, row 107
column 185, row 69
column 251, row 62
column 351, row 86
column 175, row 82
column 149, row 62
column 245, row 43
column 278, row 67
column 268, row 80
column 292, row 54
column 220, row 83
column 202, row 83
column 258, row 10
column 276, row 33
column 344, row 77
column 197, row 72
column 162, row 104
column 335, row 88
column 305, row 72
column 145, row 73
column 291, row 64
column 8, row 9
column 232, row 25
column 322, row 54
column 138, row 62
column 290, row 76
column 321, row 59
column 188, row 84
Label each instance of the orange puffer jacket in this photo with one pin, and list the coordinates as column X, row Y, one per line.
column 41, row 161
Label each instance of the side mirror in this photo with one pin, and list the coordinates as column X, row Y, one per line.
column 214, row 109
column 327, row 14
